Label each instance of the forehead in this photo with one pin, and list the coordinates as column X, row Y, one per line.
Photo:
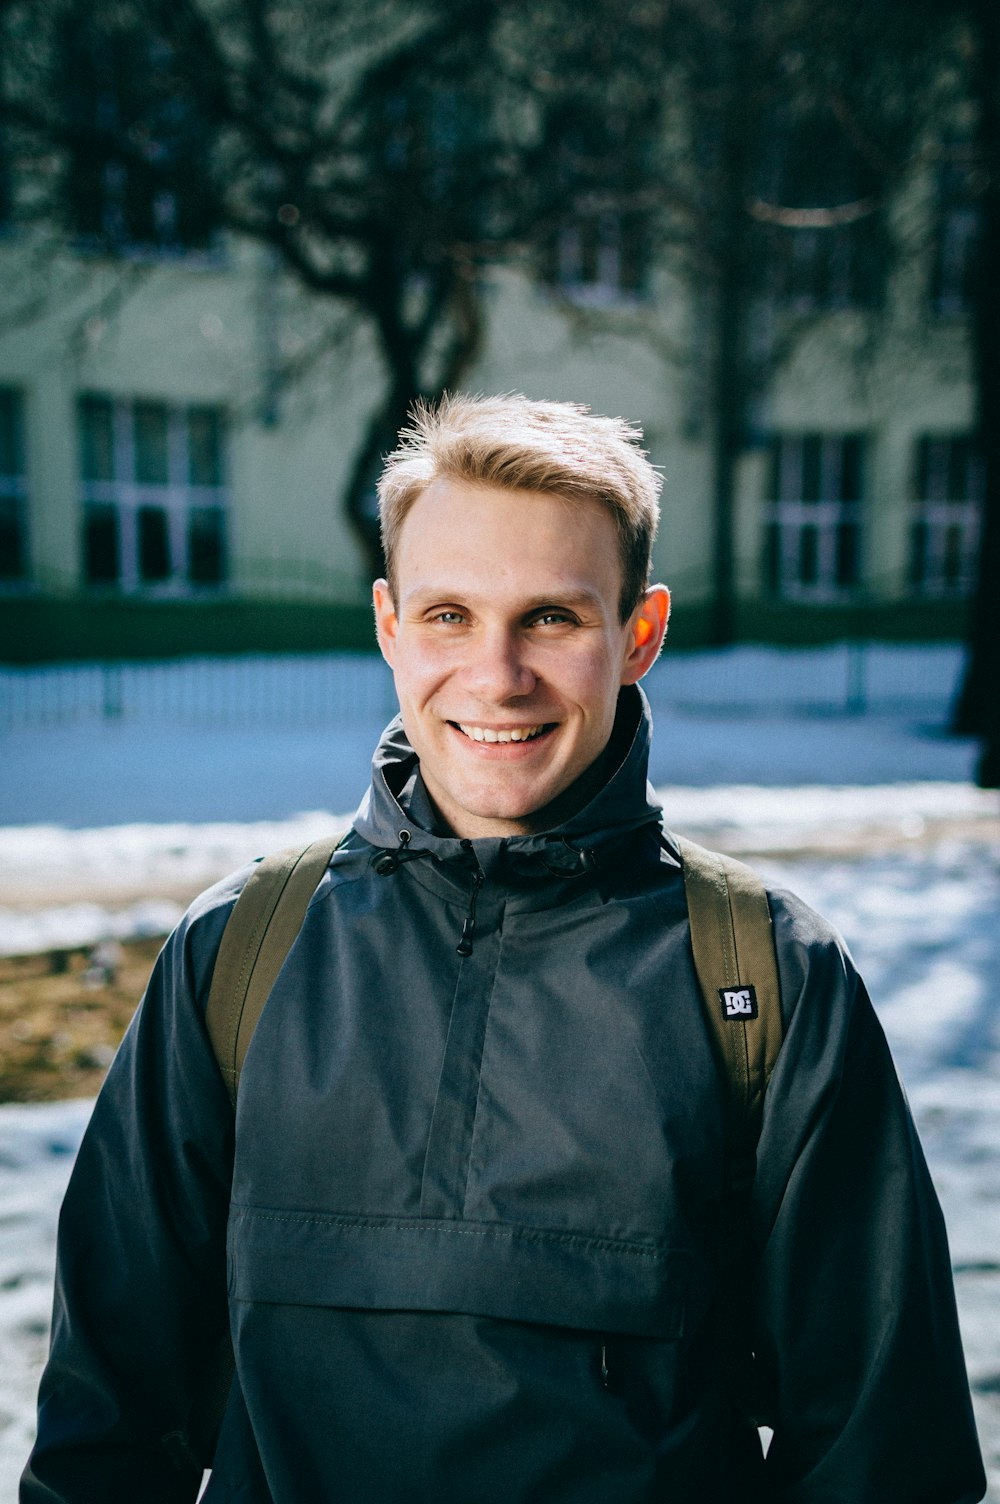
column 496, row 540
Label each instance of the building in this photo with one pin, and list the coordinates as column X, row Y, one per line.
column 177, row 422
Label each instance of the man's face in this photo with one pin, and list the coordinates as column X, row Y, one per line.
column 508, row 652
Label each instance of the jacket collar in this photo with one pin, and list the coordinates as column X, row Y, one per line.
column 396, row 814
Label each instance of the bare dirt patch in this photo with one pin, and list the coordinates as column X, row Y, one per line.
column 60, row 1022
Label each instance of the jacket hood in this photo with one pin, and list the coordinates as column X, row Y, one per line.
column 396, row 814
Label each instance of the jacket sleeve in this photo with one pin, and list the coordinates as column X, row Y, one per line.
column 140, row 1296
column 857, row 1338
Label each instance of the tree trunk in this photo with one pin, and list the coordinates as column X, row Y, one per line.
column 728, row 385
column 727, row 444
column 404, row 357
column 976, row 712
column 359, row 497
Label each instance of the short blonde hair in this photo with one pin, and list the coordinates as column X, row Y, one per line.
column 561, row 448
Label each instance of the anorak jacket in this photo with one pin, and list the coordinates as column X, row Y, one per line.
column 469, row 1221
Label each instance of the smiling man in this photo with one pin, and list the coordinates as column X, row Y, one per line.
column 470, row 1234
column 509, row 641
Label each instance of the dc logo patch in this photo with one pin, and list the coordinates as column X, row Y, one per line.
column 738, row 1002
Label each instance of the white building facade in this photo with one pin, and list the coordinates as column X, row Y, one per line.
column 177, row 429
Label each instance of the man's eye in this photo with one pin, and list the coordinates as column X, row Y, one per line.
column 449, row 618
column 552, row 619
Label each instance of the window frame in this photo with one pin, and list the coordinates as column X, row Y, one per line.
column 137, row 188
column 14, row 489
column 127, row 498
column 937, row 515
column 799, row 527
column 600, row 238
column 809, row 164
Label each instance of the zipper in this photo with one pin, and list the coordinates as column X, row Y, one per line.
column 464, row 946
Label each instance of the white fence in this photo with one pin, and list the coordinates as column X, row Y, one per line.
column 331, row 689
column 240, row 691
column 844, row 678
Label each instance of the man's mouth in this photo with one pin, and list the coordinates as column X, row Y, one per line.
column 508, row 734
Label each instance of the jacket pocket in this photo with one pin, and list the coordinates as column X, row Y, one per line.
column 513, row 1273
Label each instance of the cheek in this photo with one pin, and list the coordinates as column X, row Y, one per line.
column 593, row 681
column 416, row 673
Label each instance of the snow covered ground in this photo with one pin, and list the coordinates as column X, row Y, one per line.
column 872, row 819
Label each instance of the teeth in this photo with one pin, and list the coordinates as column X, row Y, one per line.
column 487, row 734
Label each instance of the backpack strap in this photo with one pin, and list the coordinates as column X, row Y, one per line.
column 259, row 933
column 258, row 936
column 732, row 938
column 733, row 942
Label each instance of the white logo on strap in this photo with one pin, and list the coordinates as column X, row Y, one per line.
column 738, row 1002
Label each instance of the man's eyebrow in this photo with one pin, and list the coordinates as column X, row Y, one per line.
column 578, row 598
column 581, row 599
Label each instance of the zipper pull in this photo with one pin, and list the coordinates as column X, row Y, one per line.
column 464, row 946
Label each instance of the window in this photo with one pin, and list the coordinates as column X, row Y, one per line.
column 960, row 186
column 430, row 154
column 599, row 257
column 812, row 539
column 13, row 490
column 944, row 526
column 814, row 269
column 600, row 252
column 136, row 164
column 817, row 243
column 154, row 495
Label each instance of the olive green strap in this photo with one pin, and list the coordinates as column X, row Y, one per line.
column 733, row 943
column 258, row 936
column 259, row 933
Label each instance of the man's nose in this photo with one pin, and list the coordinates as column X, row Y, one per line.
column 498, row 667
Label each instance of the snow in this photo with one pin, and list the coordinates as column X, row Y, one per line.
column 109, row 827
column 37, row 1145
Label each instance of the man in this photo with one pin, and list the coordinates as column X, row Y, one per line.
column 474, row 1198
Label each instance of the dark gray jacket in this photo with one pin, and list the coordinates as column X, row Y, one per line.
column 469, row 1221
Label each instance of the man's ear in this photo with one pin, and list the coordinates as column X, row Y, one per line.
column 386, row 620
column 647, row 629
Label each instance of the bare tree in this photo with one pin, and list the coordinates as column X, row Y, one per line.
column 376, row 149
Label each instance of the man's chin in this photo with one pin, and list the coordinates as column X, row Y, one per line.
column 548, row 808
column 491, row 811
column 503, row 800
column 510, row 816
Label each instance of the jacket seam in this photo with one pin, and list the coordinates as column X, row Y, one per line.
column 531, row 1235
column 480, row 1052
